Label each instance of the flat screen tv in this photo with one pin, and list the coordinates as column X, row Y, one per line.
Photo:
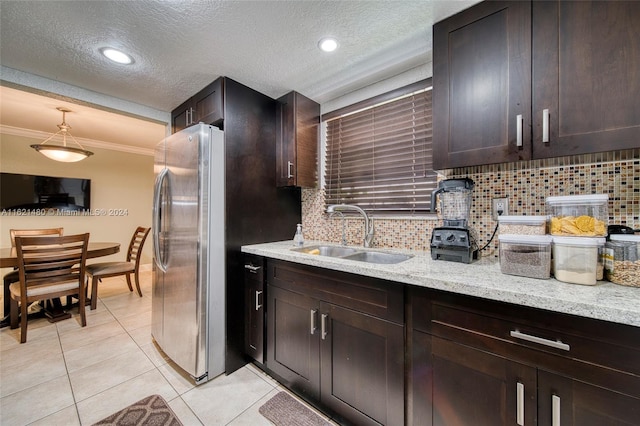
column 30, row 192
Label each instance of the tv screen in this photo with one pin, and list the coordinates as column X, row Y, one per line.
column 29, row 192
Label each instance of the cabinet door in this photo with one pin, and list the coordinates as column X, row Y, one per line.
column 293, row 351
column 472, row 387
column 420, row 408
column 362, row 364
column 208, row 104
column 586, row 76
column 564, row 402
column 298, row 120
column 254, row 308
column 181, row 117
column 482, row 85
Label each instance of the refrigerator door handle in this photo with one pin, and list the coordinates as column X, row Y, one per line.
column 157, row 195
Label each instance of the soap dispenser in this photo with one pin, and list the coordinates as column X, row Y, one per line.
column 298, row 239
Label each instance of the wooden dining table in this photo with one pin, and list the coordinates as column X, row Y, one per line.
column 9, row 259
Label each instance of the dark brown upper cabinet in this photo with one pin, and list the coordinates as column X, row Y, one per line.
column 525, row 80
column 586, row 77
column 206, row 106
column 298, row 120
column 482, row 85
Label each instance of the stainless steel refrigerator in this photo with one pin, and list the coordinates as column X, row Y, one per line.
column 188, row 304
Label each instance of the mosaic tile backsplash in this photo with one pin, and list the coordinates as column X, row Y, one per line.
column 525, row 183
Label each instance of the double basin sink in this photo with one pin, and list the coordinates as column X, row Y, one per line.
column 349, row 253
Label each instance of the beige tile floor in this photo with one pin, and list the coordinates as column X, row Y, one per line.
column 69, row 375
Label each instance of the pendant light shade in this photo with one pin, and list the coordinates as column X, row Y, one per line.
column 62, row 152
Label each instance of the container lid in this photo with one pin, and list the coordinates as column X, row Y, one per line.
column 525, row 239
column 524, row 220
column 579, row 241
column 625, row 237
column 579, row 199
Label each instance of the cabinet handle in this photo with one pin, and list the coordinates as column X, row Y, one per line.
column 545, row 125
column 314, row 313
column 539, row 340
column 289, row 169
column 555, row 410
column 252, row 269
column 323, row 325
column 519, row 130
column 189, row 116
column 258, row 305
column 520, row 404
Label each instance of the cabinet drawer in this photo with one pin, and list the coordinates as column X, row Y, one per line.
column 253, row 267
column 515, row 331
column 380, row 298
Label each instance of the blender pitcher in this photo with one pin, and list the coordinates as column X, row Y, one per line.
column 455, row 201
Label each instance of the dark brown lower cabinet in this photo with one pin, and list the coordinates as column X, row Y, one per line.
column 471, row 387
column 254, row 299
column 483, row 363
column 459, row 385
column 349, row 362
column 362, row 366
column 293, row 346
column 567, row 401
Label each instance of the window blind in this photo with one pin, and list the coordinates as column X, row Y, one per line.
column 380, row 158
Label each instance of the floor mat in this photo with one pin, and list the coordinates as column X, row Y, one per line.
column 284, row 410
column 151, row 411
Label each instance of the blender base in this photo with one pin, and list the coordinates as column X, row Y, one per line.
column 453, row 244
column 455, row 255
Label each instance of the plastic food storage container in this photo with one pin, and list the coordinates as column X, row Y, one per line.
column 575, row 259
column 523, row 225
column 622, row 260
column 525, row 255
column 579, row 215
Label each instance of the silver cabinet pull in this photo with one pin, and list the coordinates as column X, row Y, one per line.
column 258, row 305
column 314, row 313
column 323, row 325
column 555, row 410
column 289, row 169
column 520, row 404
column 519, row 130
column 253, row 269
column 545, row 125
column 539, row 340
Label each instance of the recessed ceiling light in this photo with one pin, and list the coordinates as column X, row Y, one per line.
column 117, row 56
column 328, row 44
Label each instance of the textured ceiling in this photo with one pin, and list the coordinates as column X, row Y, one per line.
column 181, row 46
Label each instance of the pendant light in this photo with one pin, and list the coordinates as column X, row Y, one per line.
column 62, row 152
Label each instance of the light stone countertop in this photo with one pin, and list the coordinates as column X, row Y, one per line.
column 604, row 301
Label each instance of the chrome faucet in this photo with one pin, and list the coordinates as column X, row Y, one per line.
column 368, row 223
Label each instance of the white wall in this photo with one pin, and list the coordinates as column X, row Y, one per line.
column 118, row 181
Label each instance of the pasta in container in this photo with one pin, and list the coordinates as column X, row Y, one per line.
column 578, row 215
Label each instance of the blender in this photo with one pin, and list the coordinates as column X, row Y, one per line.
column 454, row 241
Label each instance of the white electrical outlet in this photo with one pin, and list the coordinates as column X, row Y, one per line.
column 499, row 207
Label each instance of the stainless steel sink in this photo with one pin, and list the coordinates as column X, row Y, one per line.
column 331, row 251
column 358, row 255
column 378, row 257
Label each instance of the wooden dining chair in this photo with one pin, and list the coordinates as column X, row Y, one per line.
column 48, row 267
column 12, row 277
column 97, row 271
